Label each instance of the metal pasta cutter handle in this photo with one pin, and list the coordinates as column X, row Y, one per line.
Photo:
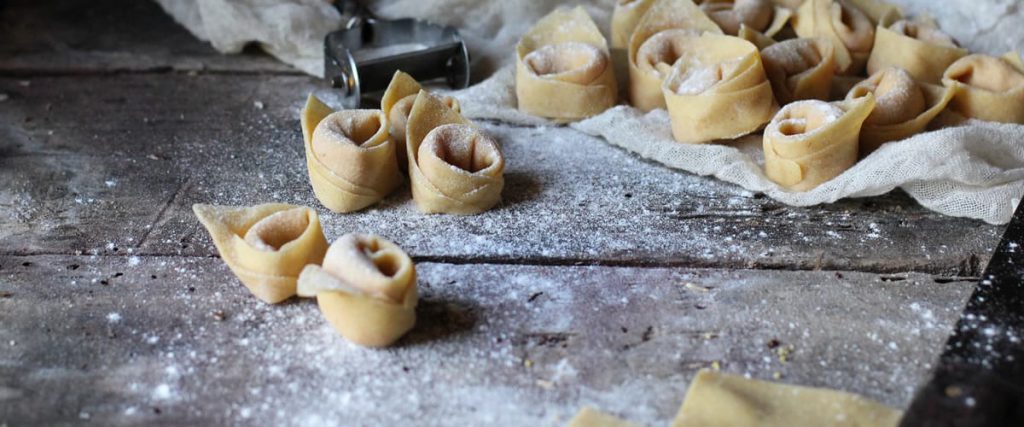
column 361, row 58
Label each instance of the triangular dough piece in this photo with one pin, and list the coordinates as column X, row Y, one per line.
column 454, row 167
column 715, row 399
column 266, row 246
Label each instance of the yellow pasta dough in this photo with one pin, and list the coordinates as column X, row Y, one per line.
column 396, row 104
column 454, row 167
column 878, row 11
column 844, row 25
column 924, row 51
column 351, row 161
column 810, row 142
column 800, row 69
column 903, row 107
column 366, row 289
column 761, row 16
column 988, row 88
column 717, row 90
column 625, row 17
column 589, row 417
column 716, row 399
column 756, row 37
column 563, row 68
column 657, row 43
column 266, row 246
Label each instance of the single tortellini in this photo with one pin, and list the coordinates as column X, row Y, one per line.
column 351, row 160
column 918, row 47
column 454, row 167
column 717, row 90
column 366, row 289
column 903, row 107
column 988, row 88
column 844, row 25
column 563, row 68
column 800, row 69
column 625, row 17
column 265, row 246
column 810, row 142
column 761, row 16
column 658, row 41
column 396, row 104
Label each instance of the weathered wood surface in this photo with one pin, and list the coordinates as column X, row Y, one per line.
column 118, row 340
column 572, row 292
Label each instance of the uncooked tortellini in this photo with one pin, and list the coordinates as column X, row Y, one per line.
column 918, row 47
column 988, row 88
column 845, row 25
column 903, row 107
column 800, row 69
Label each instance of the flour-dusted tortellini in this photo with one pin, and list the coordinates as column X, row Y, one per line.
column 563, row 68
column 366, row 289
column 396, row 104
column 903, row 107
column 659, row 40
column 918, row 47
column 625, row 17
column 761, row 16
column 800, row 69
column 717, row 89
column 716, row 399
column 844, row 25
column 351, row 160
column 265, row 246
column 988, row 88
column 810, row 142
column 454, row 167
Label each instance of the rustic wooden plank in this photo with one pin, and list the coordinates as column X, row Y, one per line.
column 69, row 37
column 127, row 340
column 140, row 149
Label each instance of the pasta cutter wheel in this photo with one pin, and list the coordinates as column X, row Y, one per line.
column 362, row 57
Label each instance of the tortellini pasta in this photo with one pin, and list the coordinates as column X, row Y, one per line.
column 918, row 47
column 903, row 107
column 845, row 25
column 988, row 88
column 800, row 69
column 396, row 103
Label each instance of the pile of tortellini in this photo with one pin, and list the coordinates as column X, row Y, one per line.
column 826, row 82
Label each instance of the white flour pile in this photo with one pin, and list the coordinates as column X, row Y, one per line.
column 975, row 170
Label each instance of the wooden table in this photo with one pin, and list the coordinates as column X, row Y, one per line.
column 601, row 280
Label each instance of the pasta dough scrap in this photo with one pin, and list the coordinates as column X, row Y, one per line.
column 843, row 24
column 924, row 51
column 454, row 167
column 625, row 17
column 988, row 88
column 717, row 399
column 265, row 246
column 800, row 69
column 717, row 90
column 563, row 70
column 810, row 142
column 366, row 289
column 351, row 161
column 657, row 43
column 396, row 104
column 757, row 15
column 903, row 107
column 590, row 417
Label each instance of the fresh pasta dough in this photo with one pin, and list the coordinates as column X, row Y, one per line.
column 921, row 49
column 717, row 89
column 844, row 25
column 800, row 69
column 658, row 41
column 761, row 16
column 265, row 246
column 810, row 142
column 625, row 17
column 988, row 88
column 589, row 417
column 396, row 103
column 352, row 162
column 454, row 167
column 903, row 107
column 366, row 289
column 716, row 399
column 563, row 68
